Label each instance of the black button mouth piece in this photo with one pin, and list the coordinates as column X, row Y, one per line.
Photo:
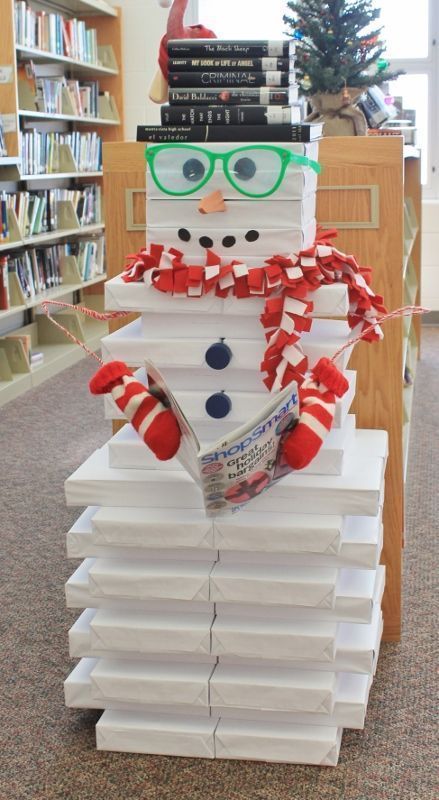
column 229, row 241
column 206, row 241
column 252, row 236
column 218, row 355
column 184, row 235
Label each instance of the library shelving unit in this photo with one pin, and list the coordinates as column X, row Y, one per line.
column 18, row 112
column 370, row 191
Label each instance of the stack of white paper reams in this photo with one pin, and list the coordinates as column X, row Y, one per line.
column 251, row 636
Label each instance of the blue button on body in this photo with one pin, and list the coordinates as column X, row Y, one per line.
column 218, row 405
column 218, row 355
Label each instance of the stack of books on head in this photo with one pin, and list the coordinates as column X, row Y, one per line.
column 230, row 90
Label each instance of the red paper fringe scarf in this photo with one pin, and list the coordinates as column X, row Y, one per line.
column 284, row 282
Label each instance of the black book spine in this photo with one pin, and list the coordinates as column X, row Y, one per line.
column 225, row 115
column 235, row 78
column 229, row 133
column 224, row 96
column 218, row 64
column 222, row 48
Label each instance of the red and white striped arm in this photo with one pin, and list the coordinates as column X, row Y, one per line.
column 156, row 425
column 317, row 396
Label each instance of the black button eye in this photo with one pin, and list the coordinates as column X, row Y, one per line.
column 244, row 168
column 193, row 170
column 229, row 241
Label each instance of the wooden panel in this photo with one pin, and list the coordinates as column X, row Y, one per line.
column 8, row 91
column 378, row 402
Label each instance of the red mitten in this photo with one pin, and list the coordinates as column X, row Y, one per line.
column 317, row 406
column 155, row 424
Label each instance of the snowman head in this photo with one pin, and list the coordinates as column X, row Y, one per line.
column 242, row 201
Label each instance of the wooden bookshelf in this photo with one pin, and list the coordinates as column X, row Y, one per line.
column 23, row 312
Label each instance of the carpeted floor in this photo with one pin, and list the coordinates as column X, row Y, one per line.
column 48, row 752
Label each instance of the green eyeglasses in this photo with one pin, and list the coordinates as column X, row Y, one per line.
column 254, row 170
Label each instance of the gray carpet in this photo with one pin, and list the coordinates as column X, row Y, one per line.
column 48, row 752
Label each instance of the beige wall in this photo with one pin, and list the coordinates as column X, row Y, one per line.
column 144, row 23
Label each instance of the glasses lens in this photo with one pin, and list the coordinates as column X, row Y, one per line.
column 180, row 170
column 255, row 172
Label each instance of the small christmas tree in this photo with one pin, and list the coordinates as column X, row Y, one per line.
column 337, row 45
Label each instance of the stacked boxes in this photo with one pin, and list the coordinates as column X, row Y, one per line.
column 250, row 636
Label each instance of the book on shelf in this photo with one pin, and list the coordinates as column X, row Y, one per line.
column 36, row 357
column 47, row 88
column 41, row 155
column 37, row 211
column 233, row 48
column 89, row 256
column 4, row 224
column 4, row 284
column 230, row 115
column 54, row 33
column 304, row 132
column 230, row 96
column 236, row 78
column 220, row 64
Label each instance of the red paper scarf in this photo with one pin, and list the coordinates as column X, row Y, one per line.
column 285, row 282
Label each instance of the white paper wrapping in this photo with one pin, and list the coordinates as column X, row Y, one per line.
column 126, row 450
column 244, row 405
column 156, row 528
column 156, row 682
column 273, row 585
column 274, row 741
column 78, row 693
column 133, row 579
column 78, row 595
column 356, row 592
column 255, row 638
column 80, row 640
column 349, row 708
column 183, row 213
column 359, row 491
column 329, row 301
column 138, row 732
column 183, row 364
column 151, row 633
column 272, row 689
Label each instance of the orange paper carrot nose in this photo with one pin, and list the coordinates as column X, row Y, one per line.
column 212, row 203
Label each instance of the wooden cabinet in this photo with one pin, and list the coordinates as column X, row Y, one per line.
column 362, row 192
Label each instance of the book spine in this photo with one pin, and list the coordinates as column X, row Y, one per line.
column 4, row 283
column 226, row 115
column 221, row 48
column 235, row 78
column 216, row 133
column 225, row 96
column 217, row 64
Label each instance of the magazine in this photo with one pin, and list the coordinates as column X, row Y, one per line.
column 232, row 471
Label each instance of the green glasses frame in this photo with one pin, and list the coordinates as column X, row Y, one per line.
column 286, row 158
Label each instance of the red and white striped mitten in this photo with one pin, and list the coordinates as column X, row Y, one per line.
column 155, row 424
column 317, row 406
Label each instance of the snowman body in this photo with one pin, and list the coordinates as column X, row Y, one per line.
column 254, row 635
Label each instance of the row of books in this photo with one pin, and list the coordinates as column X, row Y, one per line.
column 89, row 256
column 83, row 96
column 40, row 151
column 19, row 353
column 37, row 211
column 55, row 34
column 40, row 269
